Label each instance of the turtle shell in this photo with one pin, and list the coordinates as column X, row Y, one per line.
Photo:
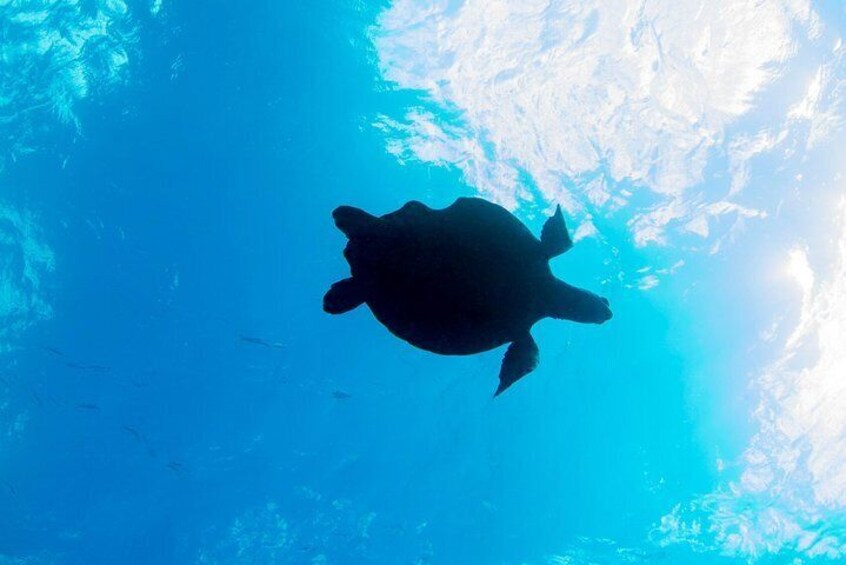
column 461, row 280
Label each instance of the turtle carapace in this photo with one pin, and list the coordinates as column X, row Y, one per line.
column 461, row 280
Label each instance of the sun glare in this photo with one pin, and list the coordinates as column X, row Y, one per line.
column 799, row 268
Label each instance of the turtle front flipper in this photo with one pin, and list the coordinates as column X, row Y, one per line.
column 354, row 221
column 520, row 359
column 554, row 236
column 344, row 296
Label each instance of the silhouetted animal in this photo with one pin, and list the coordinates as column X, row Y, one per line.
column 461, row 280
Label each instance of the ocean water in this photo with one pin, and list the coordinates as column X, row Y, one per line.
column 172, row 392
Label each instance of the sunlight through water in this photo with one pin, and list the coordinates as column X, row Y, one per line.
column 791, row 491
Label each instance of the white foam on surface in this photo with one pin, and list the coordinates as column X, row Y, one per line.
column 564, row 91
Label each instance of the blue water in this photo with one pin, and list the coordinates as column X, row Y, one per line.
column 191, row 210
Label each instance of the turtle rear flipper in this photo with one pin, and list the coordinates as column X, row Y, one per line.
column 344, row 296
column 354, row 221
column 554, row 236
column 520, row 359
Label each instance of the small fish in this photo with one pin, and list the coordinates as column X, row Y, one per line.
column 341, row 395
column 255, row 340
column 52, row 350
column 262, row 342
column 175, row 466
column 87, row 406
column 37, row 398
column 133, row 432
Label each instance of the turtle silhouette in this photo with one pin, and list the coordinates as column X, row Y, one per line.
column 461, row 280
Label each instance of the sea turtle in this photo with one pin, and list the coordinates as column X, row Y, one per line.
column 461, row 280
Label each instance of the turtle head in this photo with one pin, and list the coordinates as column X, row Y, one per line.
column 578, row 305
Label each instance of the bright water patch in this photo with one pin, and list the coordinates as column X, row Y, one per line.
column 330, row 531
column 788, row 493
column 25, row 260
column 564, row 90
column 54, row 54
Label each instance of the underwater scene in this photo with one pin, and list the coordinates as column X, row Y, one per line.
column 556, row 282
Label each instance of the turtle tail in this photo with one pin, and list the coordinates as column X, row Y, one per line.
column 354, row 222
